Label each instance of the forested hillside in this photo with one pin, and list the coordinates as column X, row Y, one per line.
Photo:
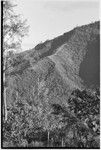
column 52, row 92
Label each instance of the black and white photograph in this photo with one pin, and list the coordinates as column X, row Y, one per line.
column 50, row 74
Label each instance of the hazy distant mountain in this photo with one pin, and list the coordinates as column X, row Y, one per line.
column 54, row 68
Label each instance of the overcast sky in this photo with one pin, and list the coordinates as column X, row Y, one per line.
column 51, row 18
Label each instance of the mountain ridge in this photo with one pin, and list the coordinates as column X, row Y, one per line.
column 53, row 66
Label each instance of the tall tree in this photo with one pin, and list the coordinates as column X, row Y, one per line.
column 14, row 29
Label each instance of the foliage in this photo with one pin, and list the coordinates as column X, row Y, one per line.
column 85, row 105
column 22, row 119
column 75, row 126
column 14, row 28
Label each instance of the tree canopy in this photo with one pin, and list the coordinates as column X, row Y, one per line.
column 14, row 27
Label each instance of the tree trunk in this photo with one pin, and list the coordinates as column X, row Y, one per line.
column 5, row 105
column 4, row 92
column 48, row 138
column 62, row 143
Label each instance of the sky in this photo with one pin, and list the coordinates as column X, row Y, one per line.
column 51, row 18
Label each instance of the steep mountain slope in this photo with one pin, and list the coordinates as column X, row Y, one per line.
column 79, row 57
column 49, row 72
column 90, row 66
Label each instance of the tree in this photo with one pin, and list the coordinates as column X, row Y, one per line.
column 14, row 29
column 85, row 106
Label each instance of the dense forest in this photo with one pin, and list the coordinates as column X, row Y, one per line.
column 75, row 126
